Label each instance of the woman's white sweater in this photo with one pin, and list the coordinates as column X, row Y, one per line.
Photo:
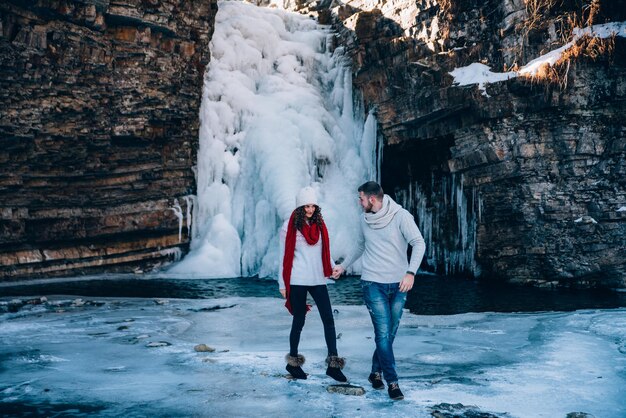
column 307, row 267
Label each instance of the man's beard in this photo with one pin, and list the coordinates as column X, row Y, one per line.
column 368, row 208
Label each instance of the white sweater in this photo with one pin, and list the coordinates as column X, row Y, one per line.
column 307, row 267
column 383, row 244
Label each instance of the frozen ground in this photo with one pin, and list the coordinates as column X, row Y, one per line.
column 68, row 359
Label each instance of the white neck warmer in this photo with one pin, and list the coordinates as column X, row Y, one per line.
column 382, row 218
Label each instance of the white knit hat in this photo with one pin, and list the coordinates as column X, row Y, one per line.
column 306, row 196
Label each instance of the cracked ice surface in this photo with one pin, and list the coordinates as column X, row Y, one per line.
column 95, row 360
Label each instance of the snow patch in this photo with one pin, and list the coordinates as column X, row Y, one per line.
column 481, row 74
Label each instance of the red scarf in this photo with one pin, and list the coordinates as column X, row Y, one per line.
column 312, row 235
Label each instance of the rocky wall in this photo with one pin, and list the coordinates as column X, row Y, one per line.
column 98, row 131
column 523, row 182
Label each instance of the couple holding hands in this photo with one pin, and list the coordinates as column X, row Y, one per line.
column 386, row 277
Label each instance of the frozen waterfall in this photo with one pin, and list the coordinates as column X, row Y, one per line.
column 277, row 114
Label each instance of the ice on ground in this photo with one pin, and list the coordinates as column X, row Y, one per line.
column 586, row 219
column 136, row 357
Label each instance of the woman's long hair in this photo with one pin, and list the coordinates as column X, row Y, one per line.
column 301, row 217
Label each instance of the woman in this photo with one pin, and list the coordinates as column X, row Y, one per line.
column 305, row 268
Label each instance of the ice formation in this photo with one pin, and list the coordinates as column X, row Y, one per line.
column 277, row 114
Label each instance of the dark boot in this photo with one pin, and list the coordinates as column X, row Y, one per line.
column 376, row 380
column 394, row 392
column 335, row 364
column 293, row 366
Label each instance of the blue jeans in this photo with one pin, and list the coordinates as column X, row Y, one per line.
column 385, row 303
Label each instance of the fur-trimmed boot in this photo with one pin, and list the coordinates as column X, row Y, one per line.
column 293, row 366
column 335, row 364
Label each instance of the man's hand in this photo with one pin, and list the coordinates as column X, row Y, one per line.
column 284, row 293
column 337, row 271
column 406, row 283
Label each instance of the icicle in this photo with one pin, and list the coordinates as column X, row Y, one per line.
column 379, row 158
column 448, row 256
column 189, row 200
column 178, row 211
column 368, row 147
column 176, row 252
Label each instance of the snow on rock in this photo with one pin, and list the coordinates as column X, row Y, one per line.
column 481, row 74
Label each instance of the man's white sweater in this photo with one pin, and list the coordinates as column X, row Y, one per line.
column 383, row 244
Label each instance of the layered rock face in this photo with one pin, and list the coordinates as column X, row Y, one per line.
column 98, row 131
column 523, row 183
column 99, row 123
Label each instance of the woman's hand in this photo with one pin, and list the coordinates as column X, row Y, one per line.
column 338, row 270
column 283, row 292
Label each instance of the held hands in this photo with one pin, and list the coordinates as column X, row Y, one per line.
column 337, row 271
column 283, row 292
column 406, row 283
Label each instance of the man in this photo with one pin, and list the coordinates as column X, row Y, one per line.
column 386, row 276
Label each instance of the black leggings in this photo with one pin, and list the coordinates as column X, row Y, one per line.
column 297, row 296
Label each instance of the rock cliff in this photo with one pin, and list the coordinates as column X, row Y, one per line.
column 98, row 131
column 524, row 181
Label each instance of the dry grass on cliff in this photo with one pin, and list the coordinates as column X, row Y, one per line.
column 536, row 20
column 445, row 6
column 590, row 47
column 587, row 16
column 587, row 46
column 536, row 12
